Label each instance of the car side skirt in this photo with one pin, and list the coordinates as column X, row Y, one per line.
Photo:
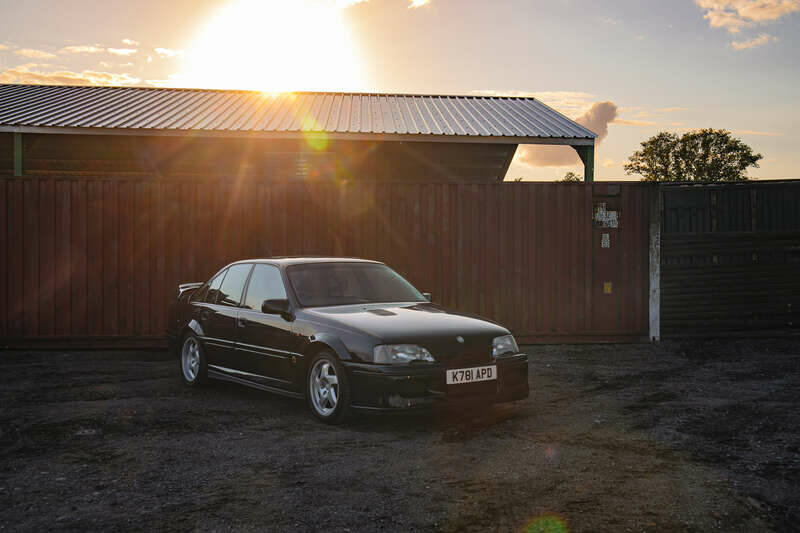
column 218, row 374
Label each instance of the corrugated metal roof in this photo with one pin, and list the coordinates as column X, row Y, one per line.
column 23, row 107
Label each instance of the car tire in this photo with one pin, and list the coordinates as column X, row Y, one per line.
column 327, row 388
column 192, row 361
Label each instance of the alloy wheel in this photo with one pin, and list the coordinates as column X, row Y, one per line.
column 324, row 387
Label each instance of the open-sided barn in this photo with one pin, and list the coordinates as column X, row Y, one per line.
column 105, row 190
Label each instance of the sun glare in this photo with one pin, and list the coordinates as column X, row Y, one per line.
column 274, row 45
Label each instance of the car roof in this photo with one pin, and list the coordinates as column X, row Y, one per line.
column 300, row 260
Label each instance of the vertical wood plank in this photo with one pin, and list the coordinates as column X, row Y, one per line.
column 63, row 273
column 94, row 263
column 79, row 258
column 4, row 249
column 157, row 261
column 141, row 250
column 15, row 258
column 173, row 247
column 47, row 274
column 126, row 258
column 31, row 258
column 3, row 258
column 110, row 254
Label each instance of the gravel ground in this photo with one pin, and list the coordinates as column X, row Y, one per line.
column 679, row 436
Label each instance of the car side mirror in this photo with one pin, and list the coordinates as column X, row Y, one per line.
column 276, row 307
column 428, row 296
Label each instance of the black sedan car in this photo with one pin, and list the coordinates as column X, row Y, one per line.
column 342, row 333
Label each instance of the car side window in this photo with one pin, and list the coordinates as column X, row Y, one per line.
column 265, row 284
column 230, row 293
column 213, row 288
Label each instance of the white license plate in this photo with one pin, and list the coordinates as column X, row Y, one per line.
column 456, row 376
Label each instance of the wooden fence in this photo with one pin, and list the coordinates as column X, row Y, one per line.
column 91, row 262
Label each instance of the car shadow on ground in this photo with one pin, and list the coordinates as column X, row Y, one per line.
column 457, row 422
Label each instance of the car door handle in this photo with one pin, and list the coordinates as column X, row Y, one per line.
column 241, row 321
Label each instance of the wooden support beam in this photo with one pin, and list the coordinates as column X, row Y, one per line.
column 17, row 154
column 586, row 153
column 507, row 163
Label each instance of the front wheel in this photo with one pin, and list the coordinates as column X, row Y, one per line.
column 193, row 361
column 328, row 388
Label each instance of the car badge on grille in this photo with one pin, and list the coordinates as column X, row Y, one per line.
column 460, row 339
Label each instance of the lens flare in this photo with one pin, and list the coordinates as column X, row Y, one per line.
column 548, row 523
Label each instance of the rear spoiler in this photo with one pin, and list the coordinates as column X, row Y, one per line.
column 184, row 288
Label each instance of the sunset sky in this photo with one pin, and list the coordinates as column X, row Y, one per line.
column 630, row 68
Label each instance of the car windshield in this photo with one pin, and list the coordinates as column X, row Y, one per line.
column 325, row 284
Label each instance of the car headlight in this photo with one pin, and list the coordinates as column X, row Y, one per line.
column 503, row 345
column 398, row 354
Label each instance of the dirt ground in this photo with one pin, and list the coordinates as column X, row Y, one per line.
column 679, row 436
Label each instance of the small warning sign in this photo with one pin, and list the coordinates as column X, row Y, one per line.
column 604, row 217
column 606, row 287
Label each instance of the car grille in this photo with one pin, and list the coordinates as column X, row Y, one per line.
column 474, row 351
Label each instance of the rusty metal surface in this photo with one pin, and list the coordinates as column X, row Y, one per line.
column 98, row 260
column 730, row 259
column 138, row 108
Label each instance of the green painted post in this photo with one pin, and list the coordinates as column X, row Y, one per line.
column 588, row 165
column 586, row 154
column 18, row 154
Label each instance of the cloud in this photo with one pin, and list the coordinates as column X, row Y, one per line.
column 597, row 119
column 755, row 42
column 671, row 109
column 27, row 74
column 121, row 51
column 3, row 47
column 641, row 123
column 130, row 42
column 758, row 133
column 609, row 163
column 34, row 54
column 733, row 15
column 82, row 49
column 168, row 52
column 418, row 3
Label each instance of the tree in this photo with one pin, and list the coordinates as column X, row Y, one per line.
column 570, row 177
column 702, row 155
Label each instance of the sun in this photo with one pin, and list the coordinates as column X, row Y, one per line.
column 273, row 46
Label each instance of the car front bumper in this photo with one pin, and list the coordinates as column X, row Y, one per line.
column 395, row 388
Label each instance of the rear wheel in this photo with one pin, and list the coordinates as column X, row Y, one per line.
column 193, row 361
column 328, row 390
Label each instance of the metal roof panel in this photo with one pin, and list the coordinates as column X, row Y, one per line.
column 153, row 109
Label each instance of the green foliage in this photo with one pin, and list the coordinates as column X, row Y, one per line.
column 702, row 155
column 570, row 177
